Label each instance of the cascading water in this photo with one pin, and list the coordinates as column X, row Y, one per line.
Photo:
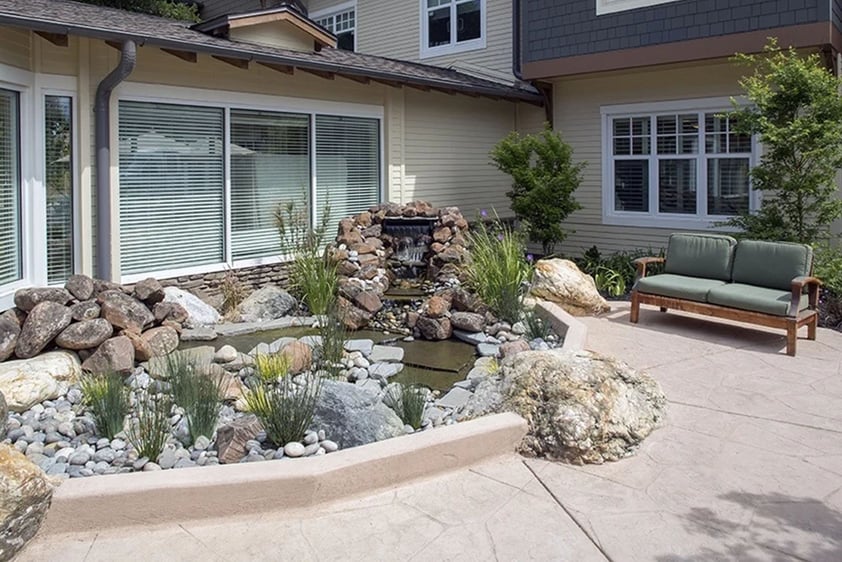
column 411, row 239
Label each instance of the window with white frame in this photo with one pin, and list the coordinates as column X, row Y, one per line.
column 674, row 167
column 452, row 26
column 612, row 6
column 10, row 177
column 343, row 24
column 59, row 181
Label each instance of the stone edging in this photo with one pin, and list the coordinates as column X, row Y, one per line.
column 153, row 498
column 574, row 332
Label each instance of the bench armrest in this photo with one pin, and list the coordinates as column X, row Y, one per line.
column 641, row 264
column 812, row 284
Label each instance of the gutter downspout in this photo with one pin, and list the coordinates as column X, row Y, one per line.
column 102, row 142
column 516, row 68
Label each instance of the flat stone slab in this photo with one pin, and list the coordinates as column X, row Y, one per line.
column 445, row 355
column 468, row 337
column 386, row 354
column 198, row 334
column 312, row 341
column 363, row 346
column 240, row 328
column 454, row 399
column 488, row 349
column 384, row 370
column 274, row 347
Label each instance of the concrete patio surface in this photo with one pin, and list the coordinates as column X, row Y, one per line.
column 748, row 467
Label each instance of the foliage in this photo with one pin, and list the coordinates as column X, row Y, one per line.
column 544, row 179
column 313, row 275
column 149, row 432
column 108, row 399
column 271, row 367
column 330, row 349
column 172, row 9
column 499, row 271
column 197, row 391
column 233, row 293
column 827, row 266
column 796, row 111
column 536, row 327
column 615, row 274
column 285, row 408
column 408, row 402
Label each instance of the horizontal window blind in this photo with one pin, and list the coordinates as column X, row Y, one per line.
column 171, row 186
column 10, row 246
column 347, row 165
column 58, row 152
column 270, row 166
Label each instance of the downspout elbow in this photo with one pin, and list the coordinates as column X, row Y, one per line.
column 102, row 142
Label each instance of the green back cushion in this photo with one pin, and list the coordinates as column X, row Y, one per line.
column 700, row 255
column 771, row 264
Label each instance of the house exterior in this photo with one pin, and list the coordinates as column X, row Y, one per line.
column 638, row 89
column 205, row 129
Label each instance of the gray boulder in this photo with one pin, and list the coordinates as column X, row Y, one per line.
column 267, row 303
column 164, row 311
column 86, row 334
column 9, row 332
column 80, row 286
column 468, row 321
column 124, row 311
column 47, row 320
column 162, row 340
column 85, row 310
column 435, row 328
column 354, row 416
column 113, row 355
column 149, row 291
column 27, row 299
column 199, row 313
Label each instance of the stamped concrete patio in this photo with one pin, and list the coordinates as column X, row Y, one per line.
column 748, row 467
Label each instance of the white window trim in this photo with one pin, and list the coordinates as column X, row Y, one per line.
column 336, row 10
column 154, row 93
column 654, row 219
column 613, row 6
column 454, row 47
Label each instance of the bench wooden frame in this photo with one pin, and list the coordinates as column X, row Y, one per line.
column 792, row 322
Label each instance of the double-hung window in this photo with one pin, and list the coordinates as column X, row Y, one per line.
column 343, row 24
column 674, row 166
column 10, row 177
column 452, row 26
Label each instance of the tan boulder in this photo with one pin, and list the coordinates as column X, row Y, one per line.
column 25, row 495
column 27, row 382
column 300, row 356
column 562, row 282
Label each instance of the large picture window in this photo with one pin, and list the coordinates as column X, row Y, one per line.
column 675, row 166
column 451, row 26
column 10, row 239
column 58, row 174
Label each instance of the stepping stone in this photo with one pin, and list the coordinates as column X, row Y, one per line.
column 488, row 349
column 467, row 337
column 363, row 346
column 198, row 334
column 455, row 399
column 386, row 354
column 384, row 370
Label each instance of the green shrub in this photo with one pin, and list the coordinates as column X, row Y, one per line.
column 499, row 271
column 544, row 179
column 285, row 409
column 408, row 402
column 330, row 350
column 197, row 391
column 615, row 274
column 827, row 266
column 148, row 433
column 108, row 399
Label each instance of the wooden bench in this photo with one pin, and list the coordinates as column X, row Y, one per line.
column 764, row 283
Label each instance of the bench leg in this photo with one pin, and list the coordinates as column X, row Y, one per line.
column 812, row 326
column 635, row 308
column 664, row 309
column 791, row 337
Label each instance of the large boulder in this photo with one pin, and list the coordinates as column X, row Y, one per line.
column 80, row 286
column 25, row 495
column 581, row 407
column 9, row 332
column 352, row 317
column 47, row 320
column 162, row 340
column 354, row 416
column 199, row 313
column 149, row 291
column 468, row 321
column 86, row 334
column 172, row 311
column 435, row 328
column 85, row 310
column 267, row 303
column 124, row 311
column 114, row 355
column 300, row 356
column 561, row 281
column 27, row 299
column 26, row 382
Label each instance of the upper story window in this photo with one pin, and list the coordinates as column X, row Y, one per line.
column 675, row 165
column 611, row 6
column 342, row 22
column 451, row 26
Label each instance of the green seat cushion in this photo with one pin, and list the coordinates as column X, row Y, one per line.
column 771, row 264
column 678, row 286
column 756, row 299
column 700, row 255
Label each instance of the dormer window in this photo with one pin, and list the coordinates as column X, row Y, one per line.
column 342, row 23
column 451, row 26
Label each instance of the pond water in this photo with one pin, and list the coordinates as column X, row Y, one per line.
column 436, row 365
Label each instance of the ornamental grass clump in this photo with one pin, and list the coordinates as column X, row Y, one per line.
column 285, row 408
column 108, row 399
column 330, row 348
column 149, row 430
column 499, row 271
column 408, row 401
column 536, row 327
column 198, row 391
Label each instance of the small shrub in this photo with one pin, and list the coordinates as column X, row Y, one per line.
column 331, row 349
column 148, row 433
column 196, row 390
column 408, row 402
column 498, row 271
column 610, row 281
column 536, row 327
column 270, row 367
column 108, row 399
column 285, row 409
column 233, row 293
column 615, row 274
column 827, row 266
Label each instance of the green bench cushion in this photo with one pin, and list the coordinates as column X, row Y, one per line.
column 756, row 299
column 700, row 255
column 678, row 286
column 771, row 264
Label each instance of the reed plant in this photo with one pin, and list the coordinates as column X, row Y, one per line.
column 330, row 348
column 285, row 408
column 408, row 401
column 108, row 399
column 198, row 391
column 149, row 430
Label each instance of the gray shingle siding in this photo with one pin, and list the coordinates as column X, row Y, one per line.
column 837, row 14
column 553, row 29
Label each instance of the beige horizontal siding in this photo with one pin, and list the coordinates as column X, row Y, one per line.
column 14, row 47
column 577, row 103
column 275, row 34
column 315, row 6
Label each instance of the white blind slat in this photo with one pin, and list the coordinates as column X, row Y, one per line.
column 58, row 170
column 10, row 258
